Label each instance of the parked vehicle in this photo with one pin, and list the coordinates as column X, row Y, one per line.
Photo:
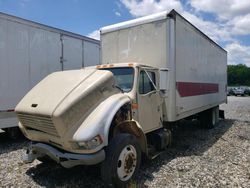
column 238, row 91
column 230, row 91
column 30, row 51
column 247, row 91
column 155, row 71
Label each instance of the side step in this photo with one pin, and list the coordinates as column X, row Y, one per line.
column 153, row 153
column 158, row 141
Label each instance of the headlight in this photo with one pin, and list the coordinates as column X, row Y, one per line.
column 91, row 144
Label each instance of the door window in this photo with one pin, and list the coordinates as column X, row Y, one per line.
column 145, row 84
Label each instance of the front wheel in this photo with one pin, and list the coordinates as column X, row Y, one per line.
column 123, row 157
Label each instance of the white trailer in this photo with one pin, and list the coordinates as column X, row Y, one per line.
column 30, row 51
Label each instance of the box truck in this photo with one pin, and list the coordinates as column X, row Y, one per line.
column 155, row 70
column 30, row 51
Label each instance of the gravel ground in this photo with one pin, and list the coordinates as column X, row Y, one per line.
column 219, row 157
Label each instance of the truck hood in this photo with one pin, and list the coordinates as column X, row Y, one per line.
column 54, row 109
column 57, row 87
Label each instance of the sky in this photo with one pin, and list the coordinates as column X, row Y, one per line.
column 227, row 22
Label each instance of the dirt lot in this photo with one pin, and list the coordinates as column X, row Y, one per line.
column 219, row 157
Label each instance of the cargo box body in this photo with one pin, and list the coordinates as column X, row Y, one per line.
column 197, row 76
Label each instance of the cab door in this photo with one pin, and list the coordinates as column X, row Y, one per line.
column 149, row 108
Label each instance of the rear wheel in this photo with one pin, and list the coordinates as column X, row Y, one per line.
column 209, row 118
column 123, row 157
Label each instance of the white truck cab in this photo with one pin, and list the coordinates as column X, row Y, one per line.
column 141, row 84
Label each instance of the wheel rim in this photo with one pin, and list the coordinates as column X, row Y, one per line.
column 127, row 163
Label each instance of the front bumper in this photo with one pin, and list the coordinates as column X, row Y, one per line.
column 67, row 160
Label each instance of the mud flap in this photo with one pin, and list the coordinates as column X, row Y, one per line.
column 222, row 114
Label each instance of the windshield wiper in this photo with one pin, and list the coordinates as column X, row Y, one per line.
column 118, row 87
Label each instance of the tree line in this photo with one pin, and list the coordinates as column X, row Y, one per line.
column 238, row 75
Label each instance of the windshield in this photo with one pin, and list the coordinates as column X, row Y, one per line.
column 124, row 77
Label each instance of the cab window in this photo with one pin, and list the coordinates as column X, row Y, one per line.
column 145, row 85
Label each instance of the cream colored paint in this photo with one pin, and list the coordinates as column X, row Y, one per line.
column 68, row 98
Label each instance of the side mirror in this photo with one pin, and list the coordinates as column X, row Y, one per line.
column 164, row 81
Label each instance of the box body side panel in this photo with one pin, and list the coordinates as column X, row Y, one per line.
column 201, row 76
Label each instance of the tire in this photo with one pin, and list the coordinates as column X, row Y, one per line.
column 123, row 152
column 209, row 118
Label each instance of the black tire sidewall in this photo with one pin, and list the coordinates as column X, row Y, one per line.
column 206, row 119
column 109, row 166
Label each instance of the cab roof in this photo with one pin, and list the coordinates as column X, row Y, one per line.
column 128, row 64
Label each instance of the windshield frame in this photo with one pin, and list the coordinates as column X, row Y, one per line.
column 133, row 76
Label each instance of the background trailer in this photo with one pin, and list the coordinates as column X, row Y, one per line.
column 29, row 51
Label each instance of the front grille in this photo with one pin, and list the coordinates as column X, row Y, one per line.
column 38, row 123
